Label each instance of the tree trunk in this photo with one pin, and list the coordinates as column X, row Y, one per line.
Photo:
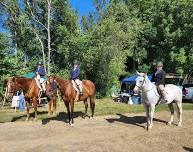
column 42, row 46
column 48, row 29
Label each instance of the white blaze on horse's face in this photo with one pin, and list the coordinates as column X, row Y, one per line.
column 10, row 89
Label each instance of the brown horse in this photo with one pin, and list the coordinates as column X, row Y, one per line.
column 31, row 91
column 68, row 94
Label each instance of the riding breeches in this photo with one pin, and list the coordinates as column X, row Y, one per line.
column 79, row 84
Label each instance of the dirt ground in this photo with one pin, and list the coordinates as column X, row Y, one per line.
column 119, row 133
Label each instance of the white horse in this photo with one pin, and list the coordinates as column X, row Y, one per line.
column 150, row 98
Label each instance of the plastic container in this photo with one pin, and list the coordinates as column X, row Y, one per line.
column 136, row 99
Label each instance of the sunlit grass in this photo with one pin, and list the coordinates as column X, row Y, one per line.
column 104, row 106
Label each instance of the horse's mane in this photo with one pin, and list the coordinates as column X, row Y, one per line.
column 61, row 79
column 23, row 78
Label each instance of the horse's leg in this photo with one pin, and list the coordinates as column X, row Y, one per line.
column 171, row 107
column 49, row 107
column 54, row 105
column 72, row 112
column 92, row 106
column 147, row 116
column 86, row 107
column 27, row 108
column 151, row 113
column 179, row 112
column 68, row 110
column 35, row 108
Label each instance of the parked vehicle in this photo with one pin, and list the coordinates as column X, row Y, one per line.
column 187, row 90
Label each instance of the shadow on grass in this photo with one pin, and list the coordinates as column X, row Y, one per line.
column 22, row 117
column 62, row 116
column 188, row 149
column 136, row 120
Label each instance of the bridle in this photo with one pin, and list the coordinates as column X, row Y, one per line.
column 143, row 84
column 14, row 87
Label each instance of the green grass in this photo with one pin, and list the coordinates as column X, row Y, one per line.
column 104, row 106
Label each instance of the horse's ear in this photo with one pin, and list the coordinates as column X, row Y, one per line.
column 137, row 72
column 13, row 79
column 145, row 74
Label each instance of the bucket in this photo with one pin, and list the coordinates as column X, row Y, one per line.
column 135, row 99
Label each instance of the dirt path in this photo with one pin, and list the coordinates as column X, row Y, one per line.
column 120, row 133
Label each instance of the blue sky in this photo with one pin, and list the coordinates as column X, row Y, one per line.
column 82, row 6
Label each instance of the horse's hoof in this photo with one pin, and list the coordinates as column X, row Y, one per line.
column 179, row 124
column 27, row 119
column 71, row 124
column 49, row 114
column 35, row 119
column 169, row 123
column 91, row 118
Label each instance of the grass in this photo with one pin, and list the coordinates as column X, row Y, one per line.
column 104, row 106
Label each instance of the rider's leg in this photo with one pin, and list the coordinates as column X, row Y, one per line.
column 42, row 82
column 38, row 83
column 77, row 94
column 163, row 92
column 79, row 83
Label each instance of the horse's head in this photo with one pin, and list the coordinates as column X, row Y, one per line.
column 10, row 88
column 51, row 79
column 140, row 81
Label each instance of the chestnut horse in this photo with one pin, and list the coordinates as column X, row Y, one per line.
column 31, row 91
column 68, row 94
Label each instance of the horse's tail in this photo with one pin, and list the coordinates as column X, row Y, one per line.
column 179, row 93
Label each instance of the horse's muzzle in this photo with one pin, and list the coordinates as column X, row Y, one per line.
column 136, row 90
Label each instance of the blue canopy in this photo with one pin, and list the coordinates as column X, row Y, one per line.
column 132, row 79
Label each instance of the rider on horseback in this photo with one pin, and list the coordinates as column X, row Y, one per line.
column 159, row 79
column 74, row 76
column 40, row 76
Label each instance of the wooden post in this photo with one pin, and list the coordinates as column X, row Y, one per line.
column 5, row 97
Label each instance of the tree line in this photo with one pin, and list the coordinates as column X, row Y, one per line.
column 118, row 37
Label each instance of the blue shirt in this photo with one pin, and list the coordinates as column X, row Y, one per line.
column 41, row 71
column 75, row 73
